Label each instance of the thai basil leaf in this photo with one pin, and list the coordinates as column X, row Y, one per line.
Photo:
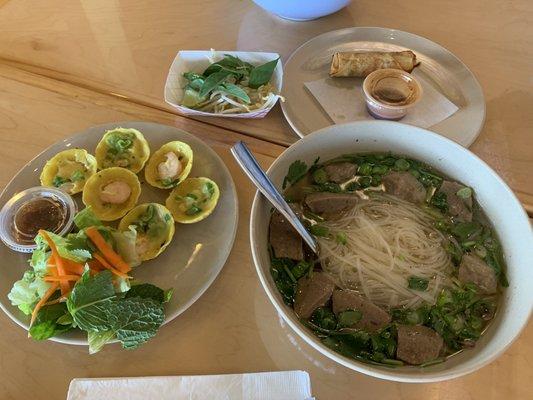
column 261, row 75
column 213, row 81
column 234, row 90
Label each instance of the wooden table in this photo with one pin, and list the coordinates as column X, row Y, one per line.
column 65, row 66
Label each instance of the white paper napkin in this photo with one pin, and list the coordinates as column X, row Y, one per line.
column 343, row 101
column 286, row 385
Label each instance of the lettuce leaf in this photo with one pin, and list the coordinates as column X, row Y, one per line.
column 86, row 218
column 27, row 291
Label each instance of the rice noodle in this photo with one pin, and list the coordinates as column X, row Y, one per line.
column 388, row 240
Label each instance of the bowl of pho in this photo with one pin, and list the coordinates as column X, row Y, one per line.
column 424, row 252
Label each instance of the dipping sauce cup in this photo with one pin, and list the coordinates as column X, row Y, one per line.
column 33, row 209
column 389, row 93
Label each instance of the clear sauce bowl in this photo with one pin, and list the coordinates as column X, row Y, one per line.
column 33, row 209
column 389, row 93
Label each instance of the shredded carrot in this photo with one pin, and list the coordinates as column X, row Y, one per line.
column 52, row 302
column 43, row 300
column 110, row 255
column 64, row 285
column 95, row 266
column 102, row 261
column 73, row 267
column 73, row 278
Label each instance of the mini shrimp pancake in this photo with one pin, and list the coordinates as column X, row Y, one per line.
column 169, row 165
column 193, row 200
column 69, row 170
column 121, row 147
column 154, row 225
column 111, row 193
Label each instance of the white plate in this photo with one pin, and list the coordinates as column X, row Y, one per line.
column 449, row 75
column 215, row 234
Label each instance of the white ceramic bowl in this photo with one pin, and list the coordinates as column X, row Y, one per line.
column 498, row 201
column 302, row 10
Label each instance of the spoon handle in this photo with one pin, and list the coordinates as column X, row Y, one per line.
column 249, row 165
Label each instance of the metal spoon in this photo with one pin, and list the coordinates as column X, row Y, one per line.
column 249, row 165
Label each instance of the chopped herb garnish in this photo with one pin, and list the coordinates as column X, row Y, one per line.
column 418, row 283
column 297, row 171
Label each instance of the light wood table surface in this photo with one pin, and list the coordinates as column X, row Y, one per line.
column 65, row 66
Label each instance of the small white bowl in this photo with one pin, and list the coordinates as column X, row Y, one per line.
column 197, row 61
column 302, row 10
column 498, row 201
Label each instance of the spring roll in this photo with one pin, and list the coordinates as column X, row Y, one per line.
column 360, row 65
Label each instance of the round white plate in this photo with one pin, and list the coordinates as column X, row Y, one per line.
column 197, row 252
column 446, row 72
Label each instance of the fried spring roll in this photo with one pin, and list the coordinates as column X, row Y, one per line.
column 360, row 65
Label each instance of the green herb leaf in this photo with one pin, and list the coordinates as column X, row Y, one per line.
column 193, row 210
column 465, row 193
column 90, row 301
column 135, row 320
column 320, row 176
column 341, row 238
column 402, row 164
column 119, row 142
column 297, row 171
column 147, row 291
column 235, row 91
column 417, row 283
column 319, row 230
column 324, row 318
column 261, row 75
column 58, row 181
column 77, row 175
column 46, row 323
column 213, row 81
column 95, row 308
column 440, row 201
column 349, row 318
column 300, row 269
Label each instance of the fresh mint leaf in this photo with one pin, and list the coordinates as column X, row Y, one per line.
column 147, row 291
column 46, row 323
column 90, row 299
column 297, row 171
column 261, row 75
column 132, row 319
column 135, row 320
